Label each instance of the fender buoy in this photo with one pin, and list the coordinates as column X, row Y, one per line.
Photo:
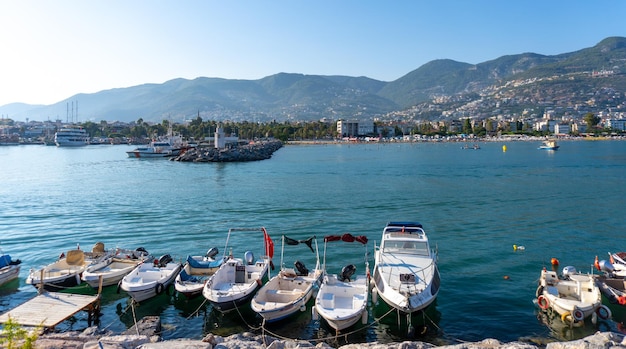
column 374, row 295
column 158, row 288
column 119, row 286
column 259, row 282
column 604, row 313
column 578, row 314
column 364, row 317
column 565, row 315
column 543, row 302
column 314, row 313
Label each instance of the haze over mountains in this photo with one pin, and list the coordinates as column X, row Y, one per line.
column 298, row 97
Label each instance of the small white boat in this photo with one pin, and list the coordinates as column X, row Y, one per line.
column 342, row 298
column 196, row 272
column 549, row 145
column 236, row 281
column 288, row 292
column 165, row 146
column 114, row 267
column 9, row 269
column 67, row 270
column 150, row 279
column 406, row 276
column 574, row 297
column 611, row 283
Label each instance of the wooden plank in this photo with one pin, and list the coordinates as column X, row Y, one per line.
column 49, row 309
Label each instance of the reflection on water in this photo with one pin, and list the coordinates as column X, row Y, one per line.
column 568, row 331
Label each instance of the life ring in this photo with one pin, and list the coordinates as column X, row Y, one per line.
column 603, row 312
column 578, row 314
column 543, row 302
column 158, row 288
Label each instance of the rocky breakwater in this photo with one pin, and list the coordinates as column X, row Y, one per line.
column 146, row 334
column 248, row 152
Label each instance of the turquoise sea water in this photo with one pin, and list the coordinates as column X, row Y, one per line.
column 474, row 205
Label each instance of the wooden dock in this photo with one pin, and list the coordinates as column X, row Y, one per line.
column 51, row 308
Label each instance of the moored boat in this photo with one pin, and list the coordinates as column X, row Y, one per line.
column 237, row 280
column 549, row 145
column 342, row 298
column 574, row 297
column 196, row 272
column 288, row 292
column 406, row 276
column 150, row 279
column 114, row 267
column 612, row 285
column 71, row 136
column 9, row 268
column 66, row 271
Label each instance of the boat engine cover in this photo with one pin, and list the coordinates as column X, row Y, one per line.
column 606, row 266
column 249, row 257
column 301, row 268
column 164, row 259
column 347, row 272
column 212, row 252
column 569, row 270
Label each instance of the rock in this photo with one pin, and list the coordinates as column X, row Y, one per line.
column 600, row 340
column 118, row 342
column 248, row 152
column 177, row 344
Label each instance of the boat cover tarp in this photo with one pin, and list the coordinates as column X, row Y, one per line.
column 347, row 238
column 5, row 260
column 308, row 242
column 194, row 263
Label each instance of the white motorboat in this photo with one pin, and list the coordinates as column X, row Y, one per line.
column 9, row 269
column 549, row 145
column 290, row 290
column 342, row 298
column 612, row 283
column 67, row 270
column 574, row 296
column 237, row 280
column 114, row 267
column 196, row 272
column 162, row 147
column 71, row 136
column 406, row 276
column 150, row 279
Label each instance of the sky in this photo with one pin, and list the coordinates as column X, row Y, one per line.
column 52, row 50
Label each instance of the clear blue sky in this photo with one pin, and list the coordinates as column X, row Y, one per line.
column 51, row 50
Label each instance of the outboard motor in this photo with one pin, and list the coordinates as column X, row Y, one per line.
column 140, row 252
column 347, row 272
column 164, row 259
column 606, row 266
column 249, row 257
column 569, row 270
column 212, row 252
column 301, row 268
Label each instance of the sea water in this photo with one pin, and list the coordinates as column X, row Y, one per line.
column 475, row 205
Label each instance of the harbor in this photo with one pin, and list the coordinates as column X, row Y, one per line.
column 463, row 199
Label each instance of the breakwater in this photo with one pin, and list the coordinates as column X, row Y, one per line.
column 248, row 152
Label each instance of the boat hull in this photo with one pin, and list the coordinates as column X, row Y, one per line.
column 234, row 284
column 112, row 272
column 147, row 280
column 9, row 273
column 342, row 304
column 283, row 296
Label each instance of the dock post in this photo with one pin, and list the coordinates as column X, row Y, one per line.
column 40, row 291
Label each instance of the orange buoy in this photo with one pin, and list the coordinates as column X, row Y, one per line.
column 554, row 261
column 506, row 277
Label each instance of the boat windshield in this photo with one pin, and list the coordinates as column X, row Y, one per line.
column 406, row 246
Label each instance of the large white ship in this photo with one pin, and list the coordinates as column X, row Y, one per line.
column 71, row 137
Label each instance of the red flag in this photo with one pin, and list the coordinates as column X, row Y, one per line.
column 269, row 244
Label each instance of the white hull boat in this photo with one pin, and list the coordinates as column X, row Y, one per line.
column 406, row 276
column 288, row 292
column 150, row 279
column 9, row 269
column 342, row 298
column 113, row 268
column 612, row 283
column 574, row 297
column 67, row 270
column 236, row 281
column 196, row 272
column 71, row 136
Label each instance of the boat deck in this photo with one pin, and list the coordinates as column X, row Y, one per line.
column 51, row 308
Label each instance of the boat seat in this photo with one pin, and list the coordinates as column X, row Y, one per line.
column 552, row 290
column 328, row 300
column 184, row 276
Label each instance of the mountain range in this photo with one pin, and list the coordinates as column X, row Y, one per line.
column 299, row 97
